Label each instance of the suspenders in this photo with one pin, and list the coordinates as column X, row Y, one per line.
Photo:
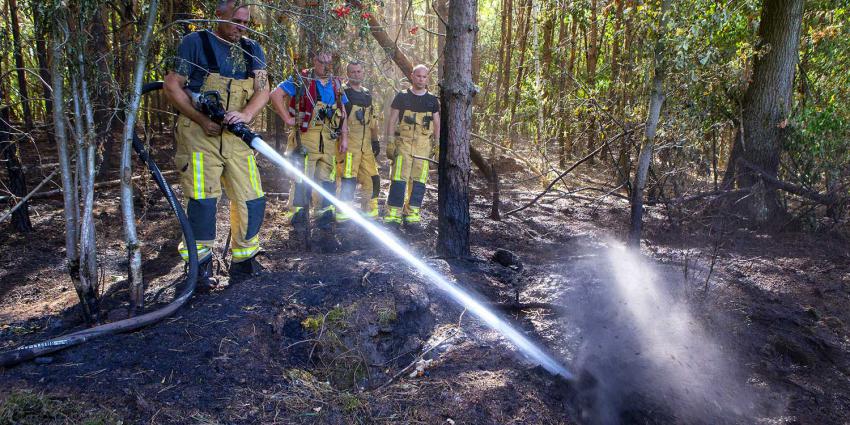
column 212, row 62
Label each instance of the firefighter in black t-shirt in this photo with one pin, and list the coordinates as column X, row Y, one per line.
column 412, row 131
column 358, row 164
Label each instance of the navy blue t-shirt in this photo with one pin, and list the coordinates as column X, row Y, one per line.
column 191, row 61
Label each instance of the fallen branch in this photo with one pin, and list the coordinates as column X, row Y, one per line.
column 24, row 200
column 418, row 359
column 515, row 307
column 825, row 199
column 699, row 196
column 560, row 176
column 100, row 185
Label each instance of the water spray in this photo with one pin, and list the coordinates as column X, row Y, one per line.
column 459, row 295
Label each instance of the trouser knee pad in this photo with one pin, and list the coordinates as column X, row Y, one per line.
column 396, row 196
column 346, row 190
column 417, row 194
column 330, row 187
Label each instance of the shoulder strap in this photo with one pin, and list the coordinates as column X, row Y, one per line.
column 212, row 62
column 248, row 53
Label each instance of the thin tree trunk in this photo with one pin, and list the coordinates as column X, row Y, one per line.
column 506, row 69
column 88, row 245
column 17, row 180
column 19, row 64
column 457, row 92
column 41, row 33
column 137, row 287
column 525, row 18
column 592, row 59
column 88, row 301
column 656, row 100
column 567, row 81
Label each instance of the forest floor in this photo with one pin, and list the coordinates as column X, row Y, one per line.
column 707, row 326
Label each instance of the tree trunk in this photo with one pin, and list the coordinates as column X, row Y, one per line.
column 17, row 180
column 41, row 33
column 506, row 69
column 567, row 82
column 592, row 59
column 103, row 102
column 656, row 100
column 525, row 19
column 134, row 254
column 456, row 93
column 88, row 301
column 19, row 64
column 85, row 168
column 766, row 107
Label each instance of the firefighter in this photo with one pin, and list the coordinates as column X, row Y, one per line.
column 358, row 163
column 314, row 100
column 210, row 159
column 413, row 130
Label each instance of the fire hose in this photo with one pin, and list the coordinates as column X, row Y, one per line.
column 31, row 351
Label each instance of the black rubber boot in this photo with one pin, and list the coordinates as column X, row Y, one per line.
column 299, row 235
column 206, row 277
column 325, row 233
column 245, row 270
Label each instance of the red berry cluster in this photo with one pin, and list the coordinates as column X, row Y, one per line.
column 341, row 11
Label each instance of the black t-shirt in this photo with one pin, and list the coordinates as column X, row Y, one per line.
column 360, row 98
column 408, row 101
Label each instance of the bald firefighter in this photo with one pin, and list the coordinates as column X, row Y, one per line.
column 358, row 163
column 314, row 102
column 412, row 131
column 208, row 158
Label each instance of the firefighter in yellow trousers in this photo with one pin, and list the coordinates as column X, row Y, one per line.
column 316, row 99
column 210, row 159
column 413, row 129
column 358, row 164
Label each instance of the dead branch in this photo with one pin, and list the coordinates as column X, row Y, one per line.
column 518, row 307
column 29, row 195
column 562, row 175
column 825, row 199
column 100, row 185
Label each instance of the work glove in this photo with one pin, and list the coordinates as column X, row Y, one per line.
column 376, row 147
column 391, row 148
column 435, row 150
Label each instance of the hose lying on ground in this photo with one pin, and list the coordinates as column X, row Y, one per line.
column 32, row 351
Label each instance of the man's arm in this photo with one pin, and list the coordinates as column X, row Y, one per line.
column 280, row 104
column 257, row 102
column 391, row 124
column 176, row 94
column 435, row 119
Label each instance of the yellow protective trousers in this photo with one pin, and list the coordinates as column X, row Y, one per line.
column 209, row 163
column 358, row 164
column 413, row 139
column 320, row 145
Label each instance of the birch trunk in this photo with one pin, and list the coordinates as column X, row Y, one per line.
column 137, row 288
column 656, row 100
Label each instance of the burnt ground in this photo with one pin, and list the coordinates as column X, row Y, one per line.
column 708, row 326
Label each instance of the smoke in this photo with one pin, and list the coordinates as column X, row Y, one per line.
column 652, row 359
